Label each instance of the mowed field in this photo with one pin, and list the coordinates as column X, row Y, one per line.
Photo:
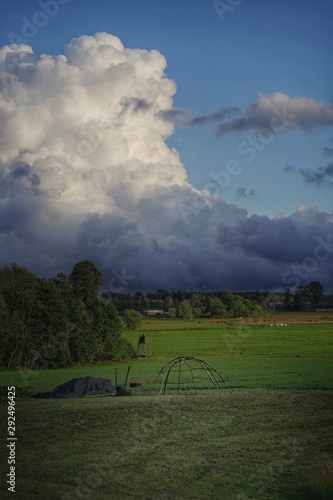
column 270, row 437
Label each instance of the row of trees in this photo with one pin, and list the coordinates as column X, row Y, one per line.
column 57, row 322
column 225, row 304
column 230, row 306
column 187, row 305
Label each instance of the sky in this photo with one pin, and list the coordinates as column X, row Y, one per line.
column 178, row 145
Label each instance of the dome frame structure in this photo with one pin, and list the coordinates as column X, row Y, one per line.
column 185, row 373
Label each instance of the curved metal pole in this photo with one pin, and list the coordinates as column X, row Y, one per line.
column 212, row 374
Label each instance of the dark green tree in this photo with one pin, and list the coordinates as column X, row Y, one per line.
column 57, row 299
column 21, row 291
column 315, row 292
column 106, row 328
column 197, row 304
column 227, row 298
column 168, row 302
column 82, row 344
column 287, row 297
column 184, row 310
column 240, row 308
column 172, row 312
column 301, row 299
column 132, row 319
column 217, row 308
column 7, row 334
column 86, row 280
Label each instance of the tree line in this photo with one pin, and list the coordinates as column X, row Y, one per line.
column 57, row 322
column 223, row 304
column 187, row 305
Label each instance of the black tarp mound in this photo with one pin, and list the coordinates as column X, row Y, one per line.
column 82, row 386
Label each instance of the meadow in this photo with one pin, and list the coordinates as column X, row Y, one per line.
column 270, row 437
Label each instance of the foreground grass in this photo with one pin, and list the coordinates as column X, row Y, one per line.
column 247, row 444
column 270, row 438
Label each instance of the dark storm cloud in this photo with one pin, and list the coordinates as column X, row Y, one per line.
column 328, row 152
column 284, row 241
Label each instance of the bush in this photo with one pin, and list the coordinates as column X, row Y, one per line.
column 123, row 350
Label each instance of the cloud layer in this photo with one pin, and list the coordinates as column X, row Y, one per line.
column 322, row 176
column 279, row 112
column 86, row 174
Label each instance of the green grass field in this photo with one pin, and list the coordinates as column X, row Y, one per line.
column 269, row 438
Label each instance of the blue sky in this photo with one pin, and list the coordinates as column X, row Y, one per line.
column 259, row 47
column 258, row 197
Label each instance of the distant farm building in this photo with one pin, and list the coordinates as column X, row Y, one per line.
column 152, row 311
